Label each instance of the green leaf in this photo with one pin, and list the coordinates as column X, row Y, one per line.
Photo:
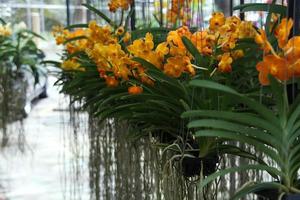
column 269, row 17
column 273, row 154
column 281, row 100
column 294, row 115
column 237, row 151
column 255, row 187
column 248, row 119
column 75, row 54
column 128, row 19
column 77, row 26
column 200, row 60
column 51, row 62
column 74, row 39
column 145, row 63
column 256, row 106
column 214, row 86
column 2, row 21
column 280, row 9
column 159, row 34
column 236, row 128
column 32, row 33
column 294, row 167
column 158, row 75
column 99, row 13
column 223, row 172
column 157, row 19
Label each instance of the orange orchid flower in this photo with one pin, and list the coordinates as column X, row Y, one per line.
column 127, row 37
column 217, row 20
column 111, row 81
column 176, row 65
column 282, row 32
column 175, row 36
column 292, row 49
column 203, row 41
column 262, row 40
column 162, row 49
column 225, row 63
column 120, row 31
column 274, row 65
column 292, row 54
column 237, row 54
column 135, row 90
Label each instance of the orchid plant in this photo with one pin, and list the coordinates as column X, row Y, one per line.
column 143, row 76
column 272, row 129
column 18, row 51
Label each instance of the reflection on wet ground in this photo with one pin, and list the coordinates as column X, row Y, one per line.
column 59, row 154
column 54, row 154
column 43, row 159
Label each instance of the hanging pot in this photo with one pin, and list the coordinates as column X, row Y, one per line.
column 292, row 197
column 192, row 166
column 271, row 194
column 267, row 194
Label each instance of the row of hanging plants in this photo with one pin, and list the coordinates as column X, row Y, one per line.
column 20, row 72
column 198, row 93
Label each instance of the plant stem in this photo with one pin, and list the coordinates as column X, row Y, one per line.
column 122, row 16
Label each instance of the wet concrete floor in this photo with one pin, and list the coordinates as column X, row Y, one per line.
column 44, row 159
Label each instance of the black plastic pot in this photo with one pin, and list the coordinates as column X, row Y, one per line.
column 192, row 166
column 267, row 194
column 292, row 197
column 270, row 194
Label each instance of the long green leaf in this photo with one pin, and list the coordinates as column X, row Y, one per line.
column 243, row 118
column 280, row 9
column 237, row 151
column 200, row 60
column 51, row 62
column 2, row 21
column 257, row 187
column 32, row 33
column 236, row 128
column 128, row 19
column 294, row 115
column 281, row 101
column 74, row 39
column 235, row 136
column 99, row 13
column 160, row 76
column 223, row 172
column 77, row 26
column 269, row 17
column 256, row 106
